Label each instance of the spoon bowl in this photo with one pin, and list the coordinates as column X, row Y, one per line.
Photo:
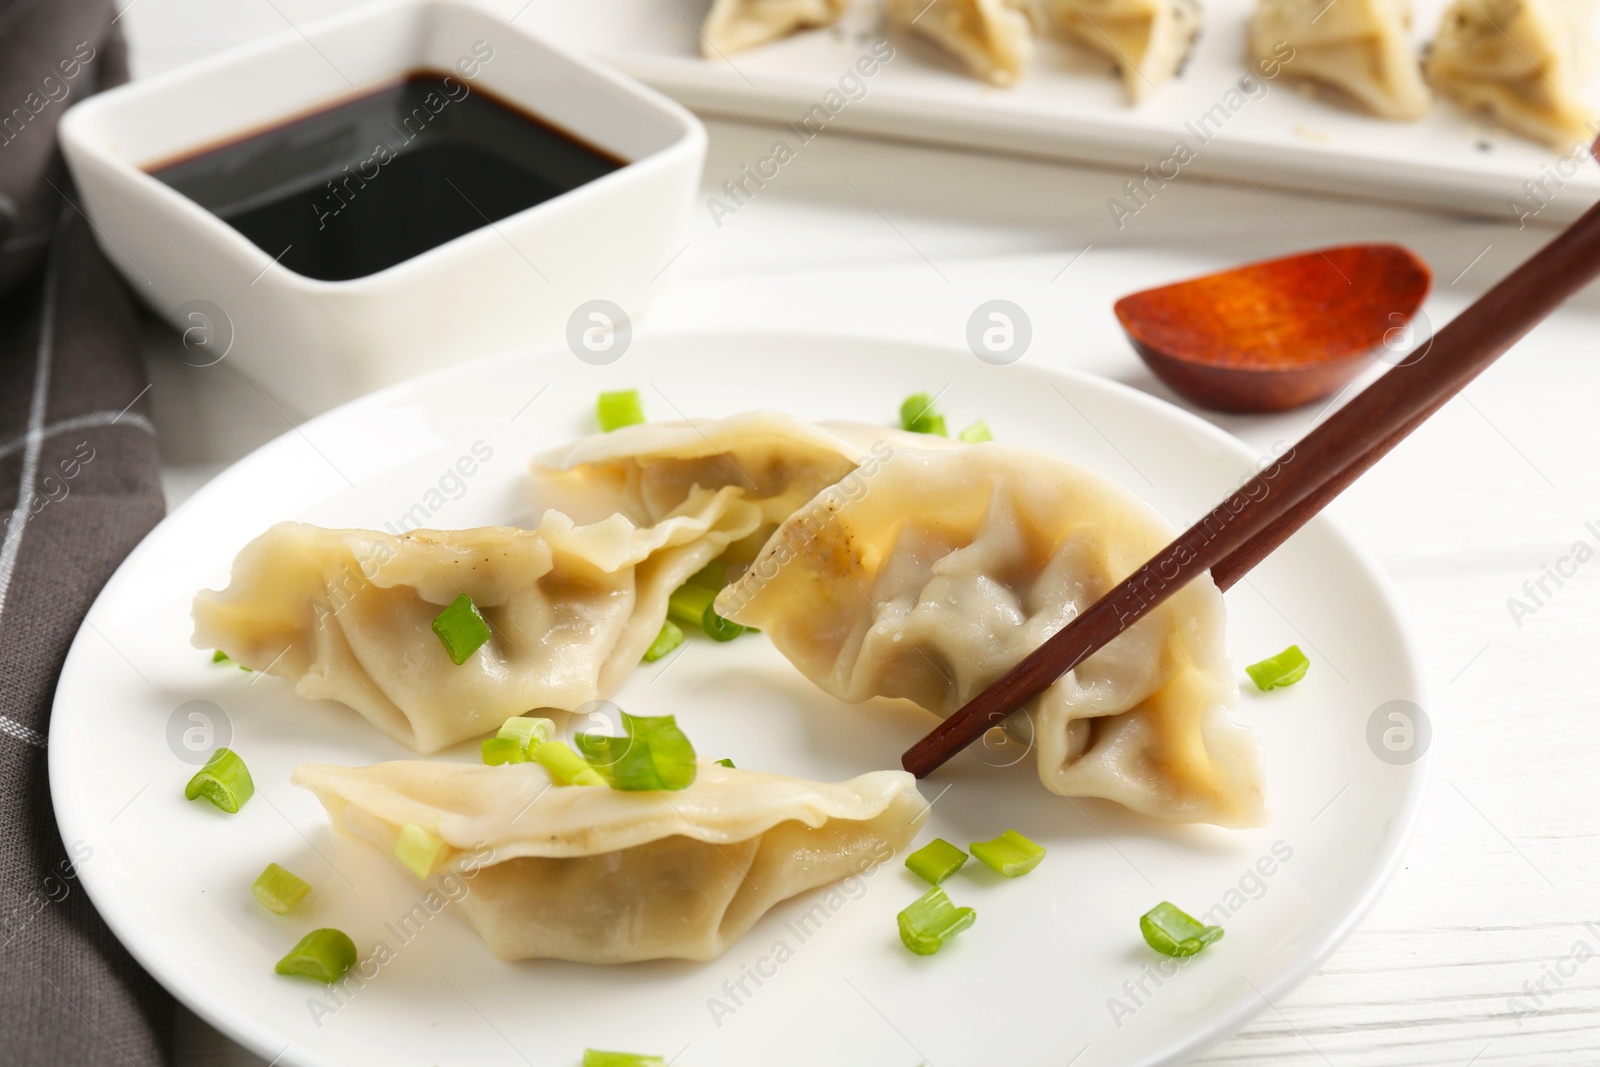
column 1277, row 334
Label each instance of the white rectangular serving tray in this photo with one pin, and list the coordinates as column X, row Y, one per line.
column 1070, row 106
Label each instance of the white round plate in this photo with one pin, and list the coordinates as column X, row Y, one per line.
column 1053, row 972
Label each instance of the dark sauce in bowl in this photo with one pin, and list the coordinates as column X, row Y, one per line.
column 372, row 181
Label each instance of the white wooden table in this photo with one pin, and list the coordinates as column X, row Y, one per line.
column 1478, row 952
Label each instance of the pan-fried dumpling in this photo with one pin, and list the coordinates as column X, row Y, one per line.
column 347, row 615
column 1360, row 47
column 777, row 461
column 993, row 38
column 734, row 25
column 1523, row 61
column 592, row 874
column 953, row 565
column 1149, row 40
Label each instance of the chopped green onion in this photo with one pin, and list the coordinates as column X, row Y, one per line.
column 279, row 890
column 654, row 754
column 528, row 731
column 725, row 762
column 565, row 766
column 596, row 1058
column 918, row 416
column 1172, row 932
column 717, row 628
column 977, row 433
column 1286, row 668
column 418, row 848
column 322, row 954
column 713, row 575
column 224, row 780
column 936, row 861
column 619, row 409
column 219, row 656
column 688, row 605
column 501, row 750
column 927, row 924
column 668, row 639
column 1011, row 854
column 462, row 629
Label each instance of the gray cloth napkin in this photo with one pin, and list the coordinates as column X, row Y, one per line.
column 79, row 487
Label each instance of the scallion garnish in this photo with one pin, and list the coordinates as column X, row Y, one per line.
column 653, row 754
column 418, row 848
column 462, row 629
column 725, row 762
column 219, row 656
column 1011, row 854
column 1173, row 932
column 927, row 924
column 713, row 575
column 717, row 628
column 322, row 954
column 687, row 606
column 619, row 409
column 498, row 751
column 596, row 1058
column 528, row 731
column 668, row 639
column 977, row 433
column 936, row 861
column 224, row 780
column 918, row 416
column 279, row 890
column 565, row 766
column 1286, row 668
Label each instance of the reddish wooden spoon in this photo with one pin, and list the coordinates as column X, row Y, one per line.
column 1277, row 334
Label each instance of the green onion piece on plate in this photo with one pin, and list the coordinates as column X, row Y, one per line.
column 977, row 433
column 462, row 629
column 1172, row 932
column 653, row 754
column 528, row 731
column 219, row 656
column 713, row 575
column 498, row 751
column 1286, row 668
column 918, row 416
column 725, row 762
column 936, row 861
column 596, row 1058
column 927, row 924
column 1011, row 854
column 279, row 890
column 418, row 848
column 565, row 766
column 224, row 780
column 322, row 954
column 687, row 606
column 668, row 639
column 619, row 409
column 717, row 628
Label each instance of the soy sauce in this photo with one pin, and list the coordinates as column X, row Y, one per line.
column 374, row 180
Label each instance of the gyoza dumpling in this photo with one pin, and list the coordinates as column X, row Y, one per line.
column 1523, row 61
column 1149, row 40
column 777, row 461
column 734, row 25
column 596, row 875
column 1360, row 47
column 994, row 38
column 347, row 615
column 953, row 565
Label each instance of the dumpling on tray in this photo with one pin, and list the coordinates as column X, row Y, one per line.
column 1524, row 62
column 992, row 38
column 1362, row 48
column 1148, row 40
column 597, row 875
column 777, row 461
column 348, row 615
column 734, row 25
column 953, row 565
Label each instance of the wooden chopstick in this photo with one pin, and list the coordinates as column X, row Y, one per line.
column 1250, row 523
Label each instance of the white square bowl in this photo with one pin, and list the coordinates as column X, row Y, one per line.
column 516, row 282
